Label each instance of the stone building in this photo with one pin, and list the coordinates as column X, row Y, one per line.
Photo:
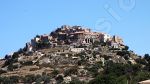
column 105, row 37
column 67, row 35
column 117, row 39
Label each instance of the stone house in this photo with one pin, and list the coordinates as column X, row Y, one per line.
column 45, row 38
column 67, row 79
column 105, row 37
column 115, row 45
column 117, row 39
column 29, row 47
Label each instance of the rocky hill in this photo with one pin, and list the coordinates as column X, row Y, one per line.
column 74, row 55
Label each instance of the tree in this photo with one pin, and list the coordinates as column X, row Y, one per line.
column 38, row 36
column 122, row 53
column 104, row 79
column 20, row 51
column 94, row 69
column 15, row 55
column 7, row 57
column 126, row 48
column 122, row 80
column 141, row 61
column 147, row 57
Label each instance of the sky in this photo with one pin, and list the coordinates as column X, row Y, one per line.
column 22, row 20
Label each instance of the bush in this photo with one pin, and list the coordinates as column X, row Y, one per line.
column 71, row 71
column 38, row 79
column 7, row 62
column 16, row 54
column 5, row 80
column 104, row 79
column 46, row 79
column 28, row 63
column 141, row 61
column 76, row 81
column 96, row 44
column 94, row 69
column 116, row 69
column 122, row 53
column 29, row 78
column 55, row 73
column 141, row 76
column 10, row 67
column 147, row 57
column 10, row 80
column 15, row 79
column 126, row 48
column 59, row 79
column 1, row 71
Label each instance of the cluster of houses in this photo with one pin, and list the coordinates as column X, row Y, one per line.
column 74, row 35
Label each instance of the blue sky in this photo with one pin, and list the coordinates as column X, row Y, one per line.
column 21, row 20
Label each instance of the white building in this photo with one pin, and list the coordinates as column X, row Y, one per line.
column 77, row 50
column 67, row 79
column 29, row 47
column 115, row 45
column 106, row 37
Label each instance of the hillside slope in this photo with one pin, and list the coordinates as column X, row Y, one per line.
column 74, row 55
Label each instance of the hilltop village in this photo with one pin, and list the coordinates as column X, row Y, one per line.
column 68, row 54
column 75, row 37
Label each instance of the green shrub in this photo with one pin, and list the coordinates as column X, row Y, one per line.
column 55, row 73
column 28, row 63
column 76, row 81
column 59, row 79
column 29, row 78
column 70, row 71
